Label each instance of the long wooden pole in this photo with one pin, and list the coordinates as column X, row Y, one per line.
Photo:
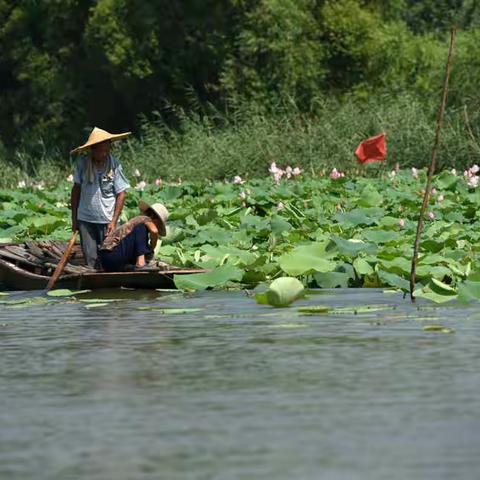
column 431, row 169
column 63, row 261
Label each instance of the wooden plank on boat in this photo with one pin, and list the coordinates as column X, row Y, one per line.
column 21, row 252
column 67, row 268
column 17, row 258
column 34, row 249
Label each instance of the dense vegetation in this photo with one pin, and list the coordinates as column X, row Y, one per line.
column 213, row 80
column 332, row 230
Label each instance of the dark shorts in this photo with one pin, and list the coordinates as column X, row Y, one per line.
column 127, row 251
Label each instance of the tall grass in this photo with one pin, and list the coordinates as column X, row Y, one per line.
column 247, row 138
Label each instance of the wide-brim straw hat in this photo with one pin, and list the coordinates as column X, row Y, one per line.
column 98, row 136
column 160, row 211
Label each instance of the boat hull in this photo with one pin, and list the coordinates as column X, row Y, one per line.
column 13, row 277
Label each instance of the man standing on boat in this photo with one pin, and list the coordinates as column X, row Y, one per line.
column 98, row 192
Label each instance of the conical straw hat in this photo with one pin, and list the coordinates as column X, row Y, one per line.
column 160, row 211
column 98, row 136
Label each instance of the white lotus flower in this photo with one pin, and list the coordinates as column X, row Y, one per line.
column 237, row 180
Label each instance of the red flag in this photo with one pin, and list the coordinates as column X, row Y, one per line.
column 373, row 149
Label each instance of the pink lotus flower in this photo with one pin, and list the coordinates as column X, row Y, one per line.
column 414, row 172
column 471, row 177
column 158, row 182
column 431, row 215
column 136, row 173
column 276, row 172
column 401, row 223
column 140, row 186
column 473, row 181
column 335, row 174
column 237, row 180
column 274, row 169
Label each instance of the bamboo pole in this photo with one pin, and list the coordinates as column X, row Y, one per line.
column 431, row 169
column 63, row 261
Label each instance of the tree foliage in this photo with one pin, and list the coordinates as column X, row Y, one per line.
column 66, row 65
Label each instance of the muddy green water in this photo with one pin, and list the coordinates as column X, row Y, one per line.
column 238, row 390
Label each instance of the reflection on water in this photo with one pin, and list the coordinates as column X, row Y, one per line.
column 238, row 390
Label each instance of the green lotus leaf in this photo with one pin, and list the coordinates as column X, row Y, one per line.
column 362, row 267
column 446, row 181
column 437, row 328
column 316, row 310
column 468, row 291
column 215, row 278
column 393, row 280
column 332, row 279
column 380, row 236
column 356, row 217
column 444, row 287
column 398, row 265
column 282, row 292
column 96, row 305
column 434, row 294
column 279, row 225
column 65, row 292
column 307, row 259
column 370, row 197
column 353, row 247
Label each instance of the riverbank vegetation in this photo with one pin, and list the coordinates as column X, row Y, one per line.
column 246, row 142
column 215, row 88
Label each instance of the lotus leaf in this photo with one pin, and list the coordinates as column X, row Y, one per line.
column 307, row 259
column 332, row 279
column 65, row 292
column 215, row 278
column 353, row 247
column 282, row 292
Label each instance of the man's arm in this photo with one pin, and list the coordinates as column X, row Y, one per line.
column 119, row 201
column 74, row 201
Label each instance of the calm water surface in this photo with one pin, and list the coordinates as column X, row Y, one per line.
column 238, row 390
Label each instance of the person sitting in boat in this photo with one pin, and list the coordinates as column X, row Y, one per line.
column 130, row 246
column 98, row 192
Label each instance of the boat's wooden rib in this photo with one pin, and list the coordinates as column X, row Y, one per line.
column 32, row 273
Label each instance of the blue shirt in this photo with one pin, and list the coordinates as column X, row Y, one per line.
column 97, row 198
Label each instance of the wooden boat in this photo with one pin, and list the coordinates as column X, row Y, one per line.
column 28, row 266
